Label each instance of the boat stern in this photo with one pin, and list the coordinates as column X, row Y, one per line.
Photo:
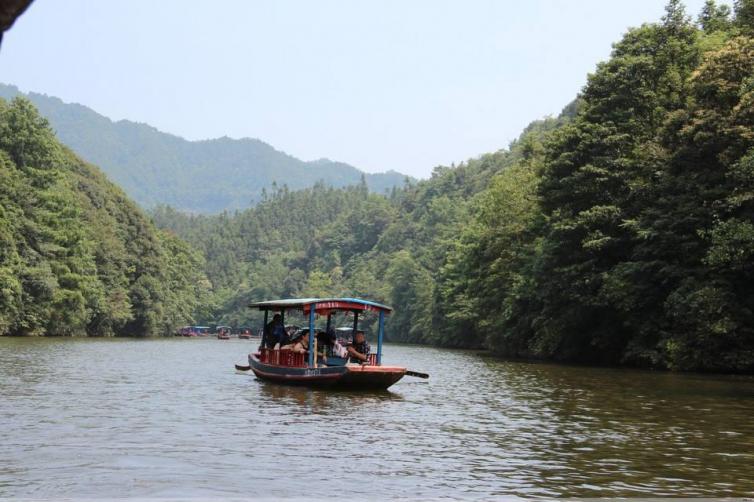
column 370, row 377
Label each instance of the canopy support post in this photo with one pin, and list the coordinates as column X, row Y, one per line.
column 312, row 355
column 380, row 334
column 355, row 323
column 264, row 328
column 329, row 323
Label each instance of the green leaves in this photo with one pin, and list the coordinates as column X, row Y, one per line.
column 75, row 256
column 731, row 244
column 26, row 137
column 638, row 248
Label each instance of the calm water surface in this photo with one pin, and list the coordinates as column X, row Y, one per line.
column 170, row 418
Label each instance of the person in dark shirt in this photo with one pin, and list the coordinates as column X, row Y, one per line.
column 359, row 348
column 274, row 332
column 325, row 340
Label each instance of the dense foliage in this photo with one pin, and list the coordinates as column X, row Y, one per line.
column 621, row 232
column 196, row 176
column 631, row 240
column 76, row 256
column 324, row 241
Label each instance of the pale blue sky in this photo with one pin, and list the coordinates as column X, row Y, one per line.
column 403, row 85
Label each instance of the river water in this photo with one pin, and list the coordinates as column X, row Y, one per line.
column 171, row 418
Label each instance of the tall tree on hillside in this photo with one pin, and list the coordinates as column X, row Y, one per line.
column 593, row 188
column 699, row 221
column 744, row 16
column 714, row 17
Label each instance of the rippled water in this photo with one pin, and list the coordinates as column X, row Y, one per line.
column 154, row 418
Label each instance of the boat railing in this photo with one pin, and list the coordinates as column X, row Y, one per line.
column 282, row 358
column 293, row 359
column 371, row 358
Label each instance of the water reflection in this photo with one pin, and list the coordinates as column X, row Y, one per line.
column 171, row 418
column 605, row 431
column 322, row 401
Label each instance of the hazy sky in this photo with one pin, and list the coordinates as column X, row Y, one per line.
column 405, row 85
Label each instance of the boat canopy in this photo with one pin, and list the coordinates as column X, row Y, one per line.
column 326, row 307
column 322, row 305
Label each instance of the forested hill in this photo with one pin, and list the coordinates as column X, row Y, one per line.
column 209, row 176
column 324, row 241
column 76, row 256
column 620, row 233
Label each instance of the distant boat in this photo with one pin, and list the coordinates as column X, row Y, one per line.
column 223, row 332
column 193, row 331
column 288, row 367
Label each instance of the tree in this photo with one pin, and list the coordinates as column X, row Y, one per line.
column 76, row 256
column 713, row 17
column 744, row 16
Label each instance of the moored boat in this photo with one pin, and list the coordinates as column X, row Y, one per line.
column 321, row 366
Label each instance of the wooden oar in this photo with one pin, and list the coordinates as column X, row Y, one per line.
column 242, row 368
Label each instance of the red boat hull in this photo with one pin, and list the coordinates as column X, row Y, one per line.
column 347, row 377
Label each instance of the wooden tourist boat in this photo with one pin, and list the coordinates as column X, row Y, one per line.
column 288, row 367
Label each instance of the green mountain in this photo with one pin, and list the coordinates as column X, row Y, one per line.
column 77, row 257
column 207, row 176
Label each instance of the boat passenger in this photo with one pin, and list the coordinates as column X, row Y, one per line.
column 301, row 345
column 338, row 350
column 293, row 341
column 325, row 340
column 324, row 346
column 274, row 333
column 359, row 348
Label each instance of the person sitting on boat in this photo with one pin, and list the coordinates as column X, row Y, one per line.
column 359, row 348
column 330, row 342
column 325, row 341
column 301, row 344
column 338, row 350
column 274, row 333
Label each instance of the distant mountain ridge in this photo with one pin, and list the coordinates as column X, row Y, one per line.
column 206, row 176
